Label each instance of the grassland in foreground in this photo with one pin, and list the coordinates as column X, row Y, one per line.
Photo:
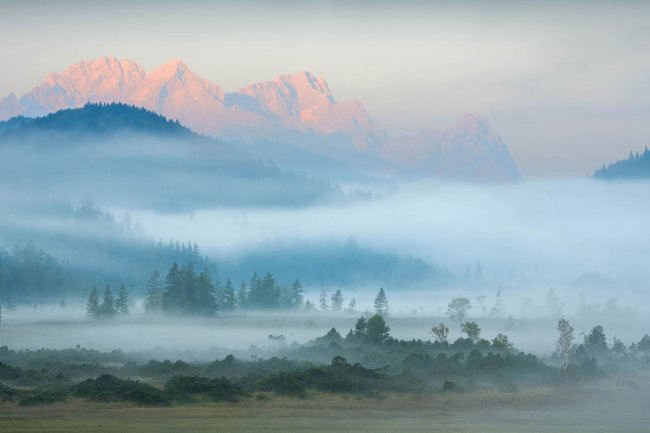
column 588, row 409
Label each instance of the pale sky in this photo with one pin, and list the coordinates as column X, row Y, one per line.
column 566, row 84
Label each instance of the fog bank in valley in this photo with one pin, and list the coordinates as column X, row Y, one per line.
column 564, row 232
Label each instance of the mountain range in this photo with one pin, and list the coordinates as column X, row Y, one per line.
column 298, row 113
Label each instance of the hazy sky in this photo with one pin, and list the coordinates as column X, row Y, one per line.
column 566, row 84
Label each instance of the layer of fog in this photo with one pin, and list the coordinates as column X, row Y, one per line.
column 530, row 323
column 148, row 170
column 560, row 233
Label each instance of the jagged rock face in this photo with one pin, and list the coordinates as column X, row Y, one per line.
column 101, row 80
column 298, row 108
column 300, row 101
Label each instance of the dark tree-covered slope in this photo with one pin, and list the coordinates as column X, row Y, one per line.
column 119, row 155
column 636, row 166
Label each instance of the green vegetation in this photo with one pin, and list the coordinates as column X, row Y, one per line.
column 187, row 292
column 111, row 388
column 367, row 362
column 109, row 306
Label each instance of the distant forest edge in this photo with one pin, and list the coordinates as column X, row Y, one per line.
column 129, row 157
column 636, row 166
column 55, row 265
column 97, row 119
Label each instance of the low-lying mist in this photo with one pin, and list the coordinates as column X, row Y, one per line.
column 565, row 233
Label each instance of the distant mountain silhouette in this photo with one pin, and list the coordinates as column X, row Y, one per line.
column 122, row 155
column 636, row 166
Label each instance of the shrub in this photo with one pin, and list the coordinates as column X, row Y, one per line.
column 46, row 397
column 285, row 384
column 448, row 385
column 187, row 387
column 7, row 393
column 111, row 388
column 9, row 372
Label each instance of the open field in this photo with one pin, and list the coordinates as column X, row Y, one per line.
column 592, row 409
column 50, row 327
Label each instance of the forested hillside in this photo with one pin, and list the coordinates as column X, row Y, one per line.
column 636, row 166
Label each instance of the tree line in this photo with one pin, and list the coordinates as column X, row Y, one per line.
column 185, row 291
column 109, row 306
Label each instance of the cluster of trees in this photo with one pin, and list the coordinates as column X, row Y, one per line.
column 185, row 291
column 595, row 346
column 458, row 307
column 472, row 331
column 29, row 273
column 637, row 165
column 109, row 306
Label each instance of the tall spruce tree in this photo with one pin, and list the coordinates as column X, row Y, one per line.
column 92, row 306
column 154, row 296
column 228, row 300
column 107, row 309
column 264, row 293
column 296, row 296
column 322, row 301
column 173, row 290
column 381, row 303
column 337, row 301
column 242, row 296
column 351, row 306
column 188, row 293
column 498, row 309
column 122, row 302
column 185, row 292
column 204, row 302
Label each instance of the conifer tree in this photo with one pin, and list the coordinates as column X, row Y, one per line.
column 188, row 300
column 107, row 308
column 381, row 303
column 323, row 301
column 206, row 302
column 122, row 302
column 498, row 309
column 337, row 301
column 154, row 297
column 172, row 292
column 360, row 326
column 264, row 293
column 309, row 306
column 186, row 292
column 92, row 306
column 228, row 298
column 296, row 296
column 376, row 329
column 242, row 296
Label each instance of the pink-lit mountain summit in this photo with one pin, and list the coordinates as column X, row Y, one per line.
column 299, row 109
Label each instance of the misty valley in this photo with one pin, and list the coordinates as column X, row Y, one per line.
column 174, row 257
